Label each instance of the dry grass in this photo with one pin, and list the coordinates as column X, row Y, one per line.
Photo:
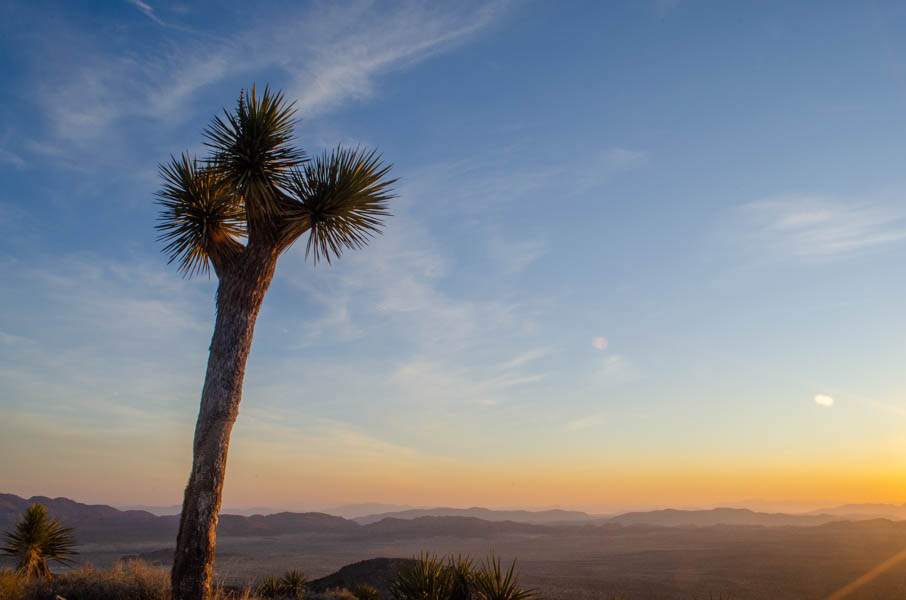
column 12, row 587
column 130, row 580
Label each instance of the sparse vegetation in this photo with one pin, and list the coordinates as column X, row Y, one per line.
column 492, row 583
column 363, row 591
column 134, row 580
column 269, row 587
column 137, row 580
column 12, row 585
column 36, row 539
column 125, row 580
column 429, row 578
column 463, row 584
column 292, row 584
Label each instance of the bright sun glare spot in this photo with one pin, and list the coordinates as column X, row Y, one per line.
column 599, row 342
column 824, row 400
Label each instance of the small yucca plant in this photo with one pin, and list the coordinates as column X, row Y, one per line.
column 292, row 584
column 492, row 583
column 36, row 539
column 270, row 587
column 363, row 591
column 463, row 578
column 427, row 579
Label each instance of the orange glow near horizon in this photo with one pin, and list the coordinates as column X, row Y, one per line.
column 281, row 483
column 282, row 472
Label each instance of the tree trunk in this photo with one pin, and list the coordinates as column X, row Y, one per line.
column 239, row 296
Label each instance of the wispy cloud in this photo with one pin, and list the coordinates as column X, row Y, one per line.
column 515, row 256
column 347, row 54
column 620, row 159
column 814, row 226
column 90, row 336
column 607, row 165
column 397, row 285
column 323, row 56
column 527, row 357
column 585, row 422
column 147, row 10
column 313, row 434
column 616, row 370
column 11, row 158
column 453, row 346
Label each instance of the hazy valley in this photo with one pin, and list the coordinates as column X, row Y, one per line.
column 655, row 554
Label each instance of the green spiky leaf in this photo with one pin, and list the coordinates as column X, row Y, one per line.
column 252, row 150
column 293, row 583
column 340, row 199
column 36, row 539
column 493, row 583
column 426, row 579
column 200, row 219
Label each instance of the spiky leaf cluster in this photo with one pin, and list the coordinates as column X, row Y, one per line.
column 36, row 539
column 341, row 201
column 252, row 150
column 463, row 577
column 428, row 578
column 292, row 584
column 256, row 188
column 200, row 220
column 269, row 587
column 493, row 583
column 363, row 591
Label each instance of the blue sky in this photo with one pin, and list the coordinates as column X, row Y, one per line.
column 633, row 242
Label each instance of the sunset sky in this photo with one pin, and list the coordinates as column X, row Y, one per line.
column 644, row 254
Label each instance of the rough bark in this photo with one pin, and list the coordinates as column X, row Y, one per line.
column 239, row 296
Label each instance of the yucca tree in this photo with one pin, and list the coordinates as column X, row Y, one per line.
column 234, row 213
column 36, row 539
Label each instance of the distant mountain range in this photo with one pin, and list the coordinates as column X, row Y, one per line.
column 102, row 523
column 557, row 517
column 664, row 517
column 364, row 509
column 348, row 511
column 175, row 509
column 720, row 516
column 894, row 512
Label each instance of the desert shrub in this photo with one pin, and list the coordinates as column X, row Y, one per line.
column 426, row 579
column 363, row 591
column 36, row 539
column 12, row 585
column 493, row 583
column 292, row 584
column 132, row 580
column 269, row 587
column 463, row 578
column 222, row 592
